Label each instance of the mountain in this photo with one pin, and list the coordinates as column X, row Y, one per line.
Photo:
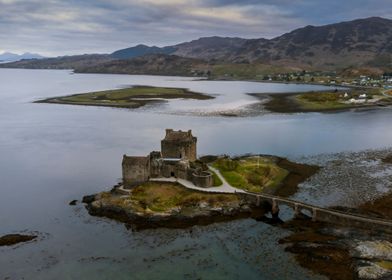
column 362, row 42
column 7, row 56
column 359, row 44
column 141, row 50
column 353, row 43
column 154, row 64
column 61, row 62
column 210, row 48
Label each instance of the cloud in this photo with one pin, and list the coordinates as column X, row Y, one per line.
column 56, row 27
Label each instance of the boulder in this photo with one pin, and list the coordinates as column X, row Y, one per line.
column 380, row 249
column 372, row 271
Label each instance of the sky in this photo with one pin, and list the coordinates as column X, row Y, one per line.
column 66, row 27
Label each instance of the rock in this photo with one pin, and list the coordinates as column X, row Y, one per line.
column 372, row 271
column 203, row 205
column 88, row 198
column 381, row 250
column 73, row 202
column 12, row 239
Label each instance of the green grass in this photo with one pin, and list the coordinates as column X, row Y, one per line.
column 127, row 97
column 216, row 180
column 164, row 197
column 331, row 100
column 245, row 71
column 251, row 173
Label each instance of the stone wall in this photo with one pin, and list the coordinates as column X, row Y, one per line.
column 177, row 154
column 203, row 179
column 179, row 144
column 135, row 170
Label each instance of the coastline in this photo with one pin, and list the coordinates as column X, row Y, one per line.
column 284, row 102
column 202, row 211
column 289, row 103
column 130, row 97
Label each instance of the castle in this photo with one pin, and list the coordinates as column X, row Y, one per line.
column 177, row 159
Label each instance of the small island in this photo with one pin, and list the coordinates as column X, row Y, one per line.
column 174, row 188
column 13, row 239
column 326, row 101
column 133, row 97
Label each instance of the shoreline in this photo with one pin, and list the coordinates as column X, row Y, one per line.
column 282, row 102
column 129, row 97
column 351, row 253
column 289, row 103
column 115, row 205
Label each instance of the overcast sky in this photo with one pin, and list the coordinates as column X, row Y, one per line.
column 58, row 27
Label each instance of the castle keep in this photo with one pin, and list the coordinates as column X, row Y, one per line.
column 177, row 158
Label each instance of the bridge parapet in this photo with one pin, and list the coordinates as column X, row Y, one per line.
column 324, row 214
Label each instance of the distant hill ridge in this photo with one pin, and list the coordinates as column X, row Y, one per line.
column 141, row 50
column 351, row 44
column 8, row 56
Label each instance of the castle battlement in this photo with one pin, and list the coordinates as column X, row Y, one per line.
column 177, row 158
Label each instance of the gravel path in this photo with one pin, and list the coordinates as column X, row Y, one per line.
column 224, row 188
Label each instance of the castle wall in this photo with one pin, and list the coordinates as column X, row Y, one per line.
column 169, row 170
column 179, row 144
column 203, row 180
column 190, row 151
column 179, row 150
column 171, row 150
column 155, row 165
column 135, row 170
column 176, row 145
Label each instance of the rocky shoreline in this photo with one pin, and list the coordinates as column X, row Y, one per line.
column 150, row 205
column 202, row 212
column 341, row 252
column 337, row 252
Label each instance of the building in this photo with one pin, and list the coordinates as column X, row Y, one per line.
column 177, row 158
column 179, row 144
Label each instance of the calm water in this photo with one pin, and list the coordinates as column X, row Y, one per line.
column 52, row 154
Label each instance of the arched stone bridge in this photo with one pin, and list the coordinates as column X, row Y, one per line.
column 324, row 214
column 318, row 213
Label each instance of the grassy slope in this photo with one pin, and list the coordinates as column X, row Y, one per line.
column 246, row 71
column 320, row 101
column 323, row 101
column 128, row 97
column 250, row 173
column 216, row 180
column 332, row 100
column 164, row 197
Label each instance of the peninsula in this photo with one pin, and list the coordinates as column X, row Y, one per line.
column 133, row 97
column 326, row 101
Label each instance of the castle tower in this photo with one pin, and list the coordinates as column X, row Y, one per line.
column 179, row 144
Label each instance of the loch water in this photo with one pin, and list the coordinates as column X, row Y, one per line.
column 51, row 154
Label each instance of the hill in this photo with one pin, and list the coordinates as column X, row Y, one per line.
column 358, row 43
column 62, row 62
column 364, row 44
column 154, row 64
column 141, row 50
column 335, row 46
column 7, row 56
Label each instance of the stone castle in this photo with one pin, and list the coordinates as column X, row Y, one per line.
column 177, row 159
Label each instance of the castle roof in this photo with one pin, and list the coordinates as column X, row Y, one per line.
column 179, row 135
column 132, row 160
